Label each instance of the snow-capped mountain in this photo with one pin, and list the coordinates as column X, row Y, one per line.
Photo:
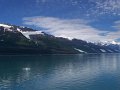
column 105, row 43
column 22, row 30
column 23, row 40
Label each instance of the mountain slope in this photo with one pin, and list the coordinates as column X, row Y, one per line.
column 23, row 40
column 15, row 39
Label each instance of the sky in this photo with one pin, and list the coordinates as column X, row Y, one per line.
column 91, row 20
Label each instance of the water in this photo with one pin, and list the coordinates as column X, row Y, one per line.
column 60, row 72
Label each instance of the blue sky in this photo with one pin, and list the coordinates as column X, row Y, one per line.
column 91, row 20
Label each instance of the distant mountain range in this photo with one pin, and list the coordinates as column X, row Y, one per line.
column 23, row 40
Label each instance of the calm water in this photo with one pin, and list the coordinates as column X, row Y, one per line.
column 60, row 72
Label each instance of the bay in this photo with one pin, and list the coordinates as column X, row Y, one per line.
column 60, row 72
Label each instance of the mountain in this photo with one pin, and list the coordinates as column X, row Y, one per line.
column 23, row 40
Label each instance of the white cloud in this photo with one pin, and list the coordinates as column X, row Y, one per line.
column 117, row 25
column 71, row 28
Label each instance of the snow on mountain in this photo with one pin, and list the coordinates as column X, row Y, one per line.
column 102, row 50
column 110, row 42
column 81, row 51
column 106, row 43
column 28, row 33
column 6, row 26
column 25, row 33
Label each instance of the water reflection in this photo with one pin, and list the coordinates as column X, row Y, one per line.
column 60, row 72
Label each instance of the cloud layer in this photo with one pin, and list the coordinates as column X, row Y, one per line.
column 106, row 6
column 96, row 7
column 72, row 28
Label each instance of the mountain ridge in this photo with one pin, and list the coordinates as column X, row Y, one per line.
column 23, row 40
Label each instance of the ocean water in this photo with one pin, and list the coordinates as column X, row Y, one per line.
column 60, row 72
